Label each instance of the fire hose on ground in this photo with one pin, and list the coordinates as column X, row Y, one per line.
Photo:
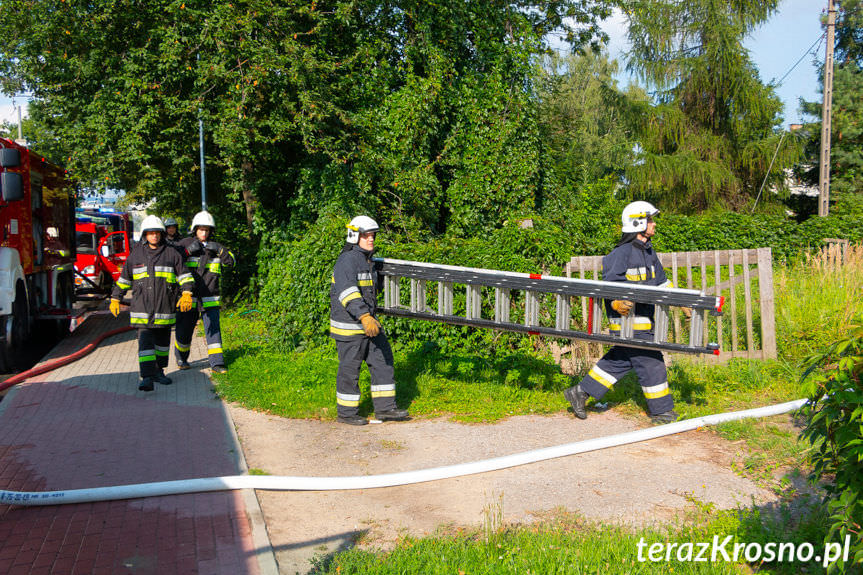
column 298, row 483
column 61, row 361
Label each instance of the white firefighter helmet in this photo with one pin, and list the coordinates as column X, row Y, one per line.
column 635, row 216
column 152, row 224
column 360, row 225
column 203, row 219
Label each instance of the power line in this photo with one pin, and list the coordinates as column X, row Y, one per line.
column 813, row 48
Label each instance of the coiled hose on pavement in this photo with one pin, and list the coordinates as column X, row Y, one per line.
column 61, row 361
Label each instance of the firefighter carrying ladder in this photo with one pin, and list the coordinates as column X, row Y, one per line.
column 504, row 283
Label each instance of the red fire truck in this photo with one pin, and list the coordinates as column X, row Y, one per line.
column 103, row 239
column 37, row 249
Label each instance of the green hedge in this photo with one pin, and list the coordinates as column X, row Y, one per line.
column 735, row 231
column 295, row 272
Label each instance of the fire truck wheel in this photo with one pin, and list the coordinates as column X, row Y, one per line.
column 14, row 327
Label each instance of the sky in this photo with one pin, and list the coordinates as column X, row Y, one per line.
column 775, row 47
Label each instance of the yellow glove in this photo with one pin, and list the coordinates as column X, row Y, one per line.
column 114, row 306
column 185, row 303
column 371, row 326
column 687, row 311
column 622, row 306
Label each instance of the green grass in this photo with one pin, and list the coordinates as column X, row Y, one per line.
column 563, row 542
column 301, row 384
column 814, row 304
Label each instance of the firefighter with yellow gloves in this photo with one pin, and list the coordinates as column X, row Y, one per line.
column 632, row 261
column 358, row 334
column 155, row 273
column 206, row 259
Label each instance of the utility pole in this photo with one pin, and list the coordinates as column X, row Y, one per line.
column 201, row 146
column 826, row 109
column 203, row 166
column 20, row 139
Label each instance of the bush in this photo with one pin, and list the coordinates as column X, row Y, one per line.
column 295, row 271
column 835, row 430
column 295, row 282
column 295, row 277
column 727, row 231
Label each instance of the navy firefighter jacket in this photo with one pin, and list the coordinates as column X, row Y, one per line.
column 155, row 276
column 353, row 292
column 634, row 262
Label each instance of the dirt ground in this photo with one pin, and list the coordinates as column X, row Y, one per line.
column 636, row 484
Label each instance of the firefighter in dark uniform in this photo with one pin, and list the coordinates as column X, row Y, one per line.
column 634, row 261
column 172, row 235
column 205, row 259
column 359, row 336
column 155, row 273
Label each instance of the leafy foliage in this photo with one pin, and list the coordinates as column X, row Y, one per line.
column 582, row 117
column 295, row 268
column 413, row 110
column 834, row 429
column 846, row 138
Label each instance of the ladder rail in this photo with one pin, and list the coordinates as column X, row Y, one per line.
column 553, row 284
column 503, row 283
column 548, row 331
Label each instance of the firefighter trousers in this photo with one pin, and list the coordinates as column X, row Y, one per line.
column 378, row 355
column 648, row 365
column 186, row 322
column 154, row 345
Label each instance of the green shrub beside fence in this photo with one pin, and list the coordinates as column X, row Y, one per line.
column 295, row 272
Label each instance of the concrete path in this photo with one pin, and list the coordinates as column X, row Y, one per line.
column 87, row 425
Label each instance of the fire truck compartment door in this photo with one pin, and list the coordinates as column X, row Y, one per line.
column 116, row 246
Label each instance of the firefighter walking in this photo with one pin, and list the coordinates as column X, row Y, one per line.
column 206, row 260
column 155, row 273
column 633, row 261
column 358, row 334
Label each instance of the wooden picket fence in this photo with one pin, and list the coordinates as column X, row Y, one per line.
column 747, row 328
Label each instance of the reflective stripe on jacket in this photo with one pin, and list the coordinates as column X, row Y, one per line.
column 634, row 262
column 155, row 276
column 206, row 268
column 353, row 293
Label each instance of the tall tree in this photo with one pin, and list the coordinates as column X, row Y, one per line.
column 715, row 127
column 583, row 118
column 398, row 107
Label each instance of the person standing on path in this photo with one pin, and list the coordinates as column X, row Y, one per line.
column 633, row 261
column 358, row 334
column 155, row 273
column 206, row 259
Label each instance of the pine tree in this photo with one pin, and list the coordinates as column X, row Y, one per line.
column 715, row 126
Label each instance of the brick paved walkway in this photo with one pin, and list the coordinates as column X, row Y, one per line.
column 87, row 425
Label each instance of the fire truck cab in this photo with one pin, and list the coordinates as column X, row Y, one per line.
column 103, row 242
column 37, row 249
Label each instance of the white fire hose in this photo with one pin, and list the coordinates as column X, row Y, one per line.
column 289, row 483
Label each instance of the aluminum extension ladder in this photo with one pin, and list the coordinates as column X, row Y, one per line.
column 474, row 279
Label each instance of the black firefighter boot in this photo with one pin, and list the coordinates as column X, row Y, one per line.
column 392, row 415
column 578, row 400
column 352, row 419
column 669, row 416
